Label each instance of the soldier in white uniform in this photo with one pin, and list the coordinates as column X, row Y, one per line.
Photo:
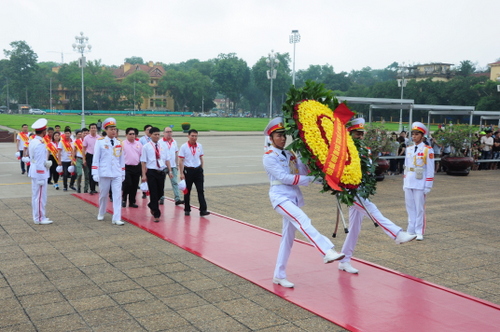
column 357, row 212
column 108, row 168
column 286, row 173
column 418, row 179
column 39, row 172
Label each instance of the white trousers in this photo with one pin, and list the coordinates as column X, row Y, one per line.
column 295, row 219
column 356, row 214
column 116, row 187
column 38, row 200
column 415, row 206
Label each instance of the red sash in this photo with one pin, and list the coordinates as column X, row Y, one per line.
column 337, row 155
column 51, row 147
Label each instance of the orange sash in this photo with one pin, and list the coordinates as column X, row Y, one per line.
column 51, row 147
column 337, row 154
column 24, row 137
column 67, row 146
column 79, row 145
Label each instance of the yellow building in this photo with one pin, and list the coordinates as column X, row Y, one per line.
column 436, row 71
column 495, row 71
column 155, row 71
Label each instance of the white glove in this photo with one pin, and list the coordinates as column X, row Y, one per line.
column 96, row 178
column 41, row 182
column 47, row 164
column 426, row 191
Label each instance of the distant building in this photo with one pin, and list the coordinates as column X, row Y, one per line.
column 494, row 71
column 436, row 71
column 155, row 71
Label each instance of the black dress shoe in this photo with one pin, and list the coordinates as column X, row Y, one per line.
column 133, row 205
column 72, row 188
column 50, row 182
column 179, row 202
column 143, row 196
column 161, row 201
column 124, row 204
column 111, row 199
column 157, row 220
column 204, row 213
column 186, row 213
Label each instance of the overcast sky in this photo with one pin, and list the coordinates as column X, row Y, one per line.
column 345, row 34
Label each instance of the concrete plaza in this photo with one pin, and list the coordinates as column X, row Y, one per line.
column 80, row 274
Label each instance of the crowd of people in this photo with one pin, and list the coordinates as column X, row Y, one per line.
column 90, row 158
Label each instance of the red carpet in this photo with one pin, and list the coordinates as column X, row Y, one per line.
column 378, row 299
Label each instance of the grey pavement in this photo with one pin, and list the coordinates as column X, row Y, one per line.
column 80, row 274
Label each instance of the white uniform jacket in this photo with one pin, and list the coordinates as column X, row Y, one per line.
column 108, row 160
column 286, row 174
column 424, row 158
column 38, row 156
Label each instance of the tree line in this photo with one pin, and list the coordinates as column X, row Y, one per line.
column 194, row 83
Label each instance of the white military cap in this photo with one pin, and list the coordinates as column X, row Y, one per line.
column 275, row 125
column 419, row 126
column 109, row 122
column 357, row 124
column 39, row 124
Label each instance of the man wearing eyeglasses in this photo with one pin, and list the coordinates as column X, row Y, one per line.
column 132, row 150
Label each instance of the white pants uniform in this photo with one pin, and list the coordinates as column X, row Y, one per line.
column 415, row 206
column 295, row 219
column 356, row 214
column 38, row 200
column 115, row 184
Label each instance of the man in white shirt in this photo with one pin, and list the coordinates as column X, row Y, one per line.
column 108, row 168
column 65, row 159
column 147, row 137
column 39, row 173
column 22, row 142
column 487, row 142
column 191, row 169
column 170, row 144
column 155, row 164
column 88, row 152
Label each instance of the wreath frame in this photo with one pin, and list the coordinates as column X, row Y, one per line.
column 317, row 91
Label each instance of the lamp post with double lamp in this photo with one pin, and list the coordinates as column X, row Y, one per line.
column 82, row 46
column 272, row 62
column 402, row 84
column 294, row 39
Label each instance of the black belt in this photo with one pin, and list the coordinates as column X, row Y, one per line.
column 79, row 158
column 192, row 167
column 155, row 170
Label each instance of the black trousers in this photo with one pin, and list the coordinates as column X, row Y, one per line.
column 23, row 168
column 66, row 175
column 88, row 171
column 54, row 176
column 156, row 185
column 194, row 175
column 129, row 186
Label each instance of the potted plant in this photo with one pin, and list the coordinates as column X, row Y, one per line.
column 378, row 140
column 459, row 139
column 185, row 126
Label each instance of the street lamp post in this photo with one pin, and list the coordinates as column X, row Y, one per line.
column 82, row 46
column 401, row 83
column 294, row 39
column 272, row 62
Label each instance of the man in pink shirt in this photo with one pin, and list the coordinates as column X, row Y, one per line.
column 132, row 150
column 88, row 151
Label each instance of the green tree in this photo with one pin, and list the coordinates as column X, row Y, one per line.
column 231, row 76
column 187, row 88
column 134, row 60
column 136, row 87
column 281, row 84
column 315, row 73
column 466, row 68
column 21, row 70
